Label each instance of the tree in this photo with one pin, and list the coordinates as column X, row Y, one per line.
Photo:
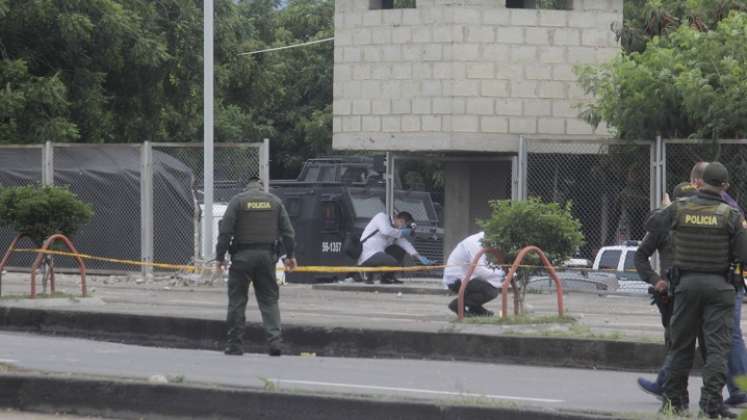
column 33, row 109
column 687, row 83
column 514, row 225
column 646, row 19
column 125, row 71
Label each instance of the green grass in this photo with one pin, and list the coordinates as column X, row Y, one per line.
column 574, row 331
column 520, row 320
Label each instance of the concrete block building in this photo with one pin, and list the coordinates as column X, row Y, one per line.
column 467, row 79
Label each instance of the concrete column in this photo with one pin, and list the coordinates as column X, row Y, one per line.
column 456, row 204
column 489, row 181
column 469, row 188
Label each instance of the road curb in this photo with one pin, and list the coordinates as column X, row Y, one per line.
column 182, row 332
column 135, row 400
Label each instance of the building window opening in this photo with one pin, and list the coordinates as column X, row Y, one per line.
column 391, row 4
column 540, row 4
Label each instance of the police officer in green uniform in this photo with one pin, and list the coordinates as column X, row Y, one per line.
column 707, row 236
column 249, row 230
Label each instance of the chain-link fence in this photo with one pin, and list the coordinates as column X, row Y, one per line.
column 234, row 165
column 608, row 184
column 147, row 198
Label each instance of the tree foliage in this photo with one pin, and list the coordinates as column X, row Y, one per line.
column 687, row 82
column 514, row 225
column 646, row 19
column 41, row 211
column 125, row 71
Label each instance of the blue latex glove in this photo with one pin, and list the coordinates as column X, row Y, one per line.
column 405, row 232
column 425, row 260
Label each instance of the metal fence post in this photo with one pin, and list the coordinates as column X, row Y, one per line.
column 389, row 183
column 264, row 163
column 653, row 175
column 663, row 164
column 47, row 167
column 146, row 208
column 520, row 171
column 515, row 178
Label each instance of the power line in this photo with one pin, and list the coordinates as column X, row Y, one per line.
column 318, row 41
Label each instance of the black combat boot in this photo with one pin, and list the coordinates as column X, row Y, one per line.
column 275, row 347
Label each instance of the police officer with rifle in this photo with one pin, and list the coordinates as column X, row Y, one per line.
column 708, row 236
column 658, row 239
column 249, row 231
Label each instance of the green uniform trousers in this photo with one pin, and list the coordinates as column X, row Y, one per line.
column 256, row 267
column 704, row 301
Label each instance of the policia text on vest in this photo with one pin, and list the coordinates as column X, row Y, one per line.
column 707, row 237
column 249, row 230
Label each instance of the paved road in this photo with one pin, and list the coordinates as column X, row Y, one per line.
column 429, row 380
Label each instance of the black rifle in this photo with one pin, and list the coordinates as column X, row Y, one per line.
column 664, row 302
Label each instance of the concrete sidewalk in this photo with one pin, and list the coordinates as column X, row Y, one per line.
column 613, row 317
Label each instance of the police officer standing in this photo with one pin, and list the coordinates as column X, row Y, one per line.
column 249, row 230
column 658, row 239
column 707, row 235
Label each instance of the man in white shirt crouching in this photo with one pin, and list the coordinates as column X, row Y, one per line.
column 484, row 283
column 385, row 244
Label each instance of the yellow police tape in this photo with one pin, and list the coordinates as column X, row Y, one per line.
column 193, row 268
column 300, row 269
column 190, row 268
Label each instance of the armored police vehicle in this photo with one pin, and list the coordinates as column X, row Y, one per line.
column 337, row 196
column 334, row 197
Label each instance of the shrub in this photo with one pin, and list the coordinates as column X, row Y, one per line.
column 514, row 225
column 40, row 211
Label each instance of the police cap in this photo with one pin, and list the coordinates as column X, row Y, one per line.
column 715, row 174
column 683, row 189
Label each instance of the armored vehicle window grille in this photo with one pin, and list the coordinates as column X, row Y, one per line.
column 367, row 207
column 415, row 207
column 330, row 217
column 609, row 260
column 431, row 248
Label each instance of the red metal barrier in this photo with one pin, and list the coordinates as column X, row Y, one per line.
column 509, row 279
column 40, row 257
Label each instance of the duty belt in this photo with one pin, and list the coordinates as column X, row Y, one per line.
column 263, row 247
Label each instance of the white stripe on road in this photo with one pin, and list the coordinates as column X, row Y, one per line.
column 416, row 391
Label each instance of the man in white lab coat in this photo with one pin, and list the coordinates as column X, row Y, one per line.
column 484, row 283
column 384, row 243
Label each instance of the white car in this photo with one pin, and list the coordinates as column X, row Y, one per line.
column 620, row 260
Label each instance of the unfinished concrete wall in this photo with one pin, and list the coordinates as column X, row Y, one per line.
column 467, row 75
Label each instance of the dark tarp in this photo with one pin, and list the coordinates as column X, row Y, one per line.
column 108, row 177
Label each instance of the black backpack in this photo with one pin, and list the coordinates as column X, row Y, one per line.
column 352, row 247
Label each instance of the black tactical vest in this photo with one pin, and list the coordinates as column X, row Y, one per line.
column 701, row 237
column 258, row 220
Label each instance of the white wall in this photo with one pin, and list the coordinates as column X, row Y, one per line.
column 464, row 75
